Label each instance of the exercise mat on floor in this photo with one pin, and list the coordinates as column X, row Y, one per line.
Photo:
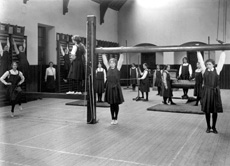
column 188, row 108
column 84, row 103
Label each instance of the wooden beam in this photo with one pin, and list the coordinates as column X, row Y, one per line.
column 211, row 47
column 91, row 59
column 36, row 95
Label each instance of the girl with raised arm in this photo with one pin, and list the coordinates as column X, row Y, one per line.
column 65, row 54
column 77, row 67
column 113, row 93
column 23, row 64
column 14, row 79
column 211, row 99
column 6, row 58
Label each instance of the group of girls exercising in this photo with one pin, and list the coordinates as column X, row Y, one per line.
column 206, row 78
column 206, row 88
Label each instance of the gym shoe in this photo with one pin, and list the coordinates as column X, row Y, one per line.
column 214, row 131
column 208, row 130
column 70, row 92
column 112, row 123
column 115, row 122
column 12, row 115
column 20, row 108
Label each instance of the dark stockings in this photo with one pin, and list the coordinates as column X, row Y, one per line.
column 165, row 100
column 13, row 105
column 142, row 94
column 99, row 97
column 185, row 91
column 147, row 96
column 214, row 119
column 159, row 90
column 197, row 100
column 114, row 109
column 134, row 86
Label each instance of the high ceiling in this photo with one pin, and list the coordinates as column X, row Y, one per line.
column 113, row 4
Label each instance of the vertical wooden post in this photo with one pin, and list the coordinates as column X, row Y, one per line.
column 91, row 67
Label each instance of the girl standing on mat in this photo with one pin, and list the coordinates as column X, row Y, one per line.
column 50, row 78
column 211, row 99
column 158, row 79
column 198, row 83
column 133, row 76
column 14, row 79
column 100, row 81
column 144, row 81
column 167, row 90
column 113, row 93
column 185, row 73
column 77, row 68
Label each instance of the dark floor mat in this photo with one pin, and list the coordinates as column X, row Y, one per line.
column 188, row 108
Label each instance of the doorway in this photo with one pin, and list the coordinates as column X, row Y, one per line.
column 41, row 58
column 46, row 52
column 192, row 59
column 149, row 58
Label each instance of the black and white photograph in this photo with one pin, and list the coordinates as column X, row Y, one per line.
column 114, row 82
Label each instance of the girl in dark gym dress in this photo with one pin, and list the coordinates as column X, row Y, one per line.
column 211, row 100
column 15, row 79
column 113, row 93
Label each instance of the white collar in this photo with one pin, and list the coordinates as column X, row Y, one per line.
column 185, row 64
column 211, row 69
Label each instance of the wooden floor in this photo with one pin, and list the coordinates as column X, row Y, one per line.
column 49, row 133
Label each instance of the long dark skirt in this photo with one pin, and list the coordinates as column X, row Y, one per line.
column 12, row 95
column 211, row 100
column 100, row 86
column 50, row 84
column 113, row 94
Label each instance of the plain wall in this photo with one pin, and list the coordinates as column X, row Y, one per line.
column 171, row 22
column 50, row 13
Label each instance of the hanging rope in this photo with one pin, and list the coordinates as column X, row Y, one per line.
column 225, row 21
column 224, row 4
column 218, row 21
